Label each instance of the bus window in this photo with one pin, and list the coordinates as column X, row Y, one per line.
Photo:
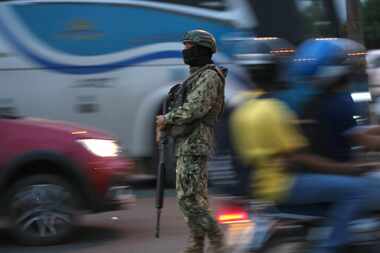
column 318, row 17
column 207, row 4
column 295, row 20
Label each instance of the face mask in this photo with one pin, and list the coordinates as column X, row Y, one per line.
column 189, row 56
column 196, row 56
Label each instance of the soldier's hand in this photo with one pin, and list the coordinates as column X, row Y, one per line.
column 158, row 134
column 160, row 122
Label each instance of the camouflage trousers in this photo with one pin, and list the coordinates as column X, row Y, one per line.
column 192, row 196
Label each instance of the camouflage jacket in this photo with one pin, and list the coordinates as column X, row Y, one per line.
column 204, row 101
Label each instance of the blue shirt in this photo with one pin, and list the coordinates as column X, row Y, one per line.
column 334, row 117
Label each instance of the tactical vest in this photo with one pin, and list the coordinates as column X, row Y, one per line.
column 177, row 97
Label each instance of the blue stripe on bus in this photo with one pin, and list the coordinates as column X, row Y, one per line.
column 92, row 69
column 89, row 29
column 86, row 69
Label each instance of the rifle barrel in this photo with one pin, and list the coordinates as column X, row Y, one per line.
column 158, row 223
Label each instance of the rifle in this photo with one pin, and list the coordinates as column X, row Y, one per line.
column 160, row 185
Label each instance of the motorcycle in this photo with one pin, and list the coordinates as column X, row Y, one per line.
column 262, row 227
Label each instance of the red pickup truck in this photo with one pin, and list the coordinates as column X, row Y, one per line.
column 51, row 171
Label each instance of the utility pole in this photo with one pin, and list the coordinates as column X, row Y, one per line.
column 332, row 14
column 354, row 21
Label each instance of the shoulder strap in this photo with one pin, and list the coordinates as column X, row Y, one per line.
column 220, row 89
column 218, row 71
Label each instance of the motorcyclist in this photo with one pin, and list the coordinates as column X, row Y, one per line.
column 265, row 60
column 268, row 138
column 328, row 68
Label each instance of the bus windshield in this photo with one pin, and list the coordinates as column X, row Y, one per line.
column 296, row 20
column 318, row 18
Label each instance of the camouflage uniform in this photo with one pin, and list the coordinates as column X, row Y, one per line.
column 203, row 104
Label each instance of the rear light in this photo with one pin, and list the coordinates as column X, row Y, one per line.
column 232, row 216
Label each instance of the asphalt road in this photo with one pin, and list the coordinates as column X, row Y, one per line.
column 127, row 231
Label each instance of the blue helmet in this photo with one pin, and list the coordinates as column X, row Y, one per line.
column 325, row 61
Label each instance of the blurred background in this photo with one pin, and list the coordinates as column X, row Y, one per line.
column 82, row 77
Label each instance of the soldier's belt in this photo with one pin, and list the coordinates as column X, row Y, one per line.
column 182, row 131
column 185, row 130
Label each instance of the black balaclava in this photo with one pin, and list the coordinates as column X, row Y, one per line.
column 197, row 56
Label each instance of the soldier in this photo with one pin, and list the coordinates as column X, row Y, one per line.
column 191, row 121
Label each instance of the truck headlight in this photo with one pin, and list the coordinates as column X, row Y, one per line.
column 102, row 148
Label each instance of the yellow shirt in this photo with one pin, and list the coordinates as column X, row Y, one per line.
column 262, row 131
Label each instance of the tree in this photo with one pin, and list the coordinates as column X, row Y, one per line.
column 316, row 21
column 354, row 24
column 371, row 21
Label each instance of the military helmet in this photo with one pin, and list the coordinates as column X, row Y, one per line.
column 201, row 38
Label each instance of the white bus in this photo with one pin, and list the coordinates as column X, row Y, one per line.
column 109, row 63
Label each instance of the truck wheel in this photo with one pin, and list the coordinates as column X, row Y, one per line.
column 42, row 210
